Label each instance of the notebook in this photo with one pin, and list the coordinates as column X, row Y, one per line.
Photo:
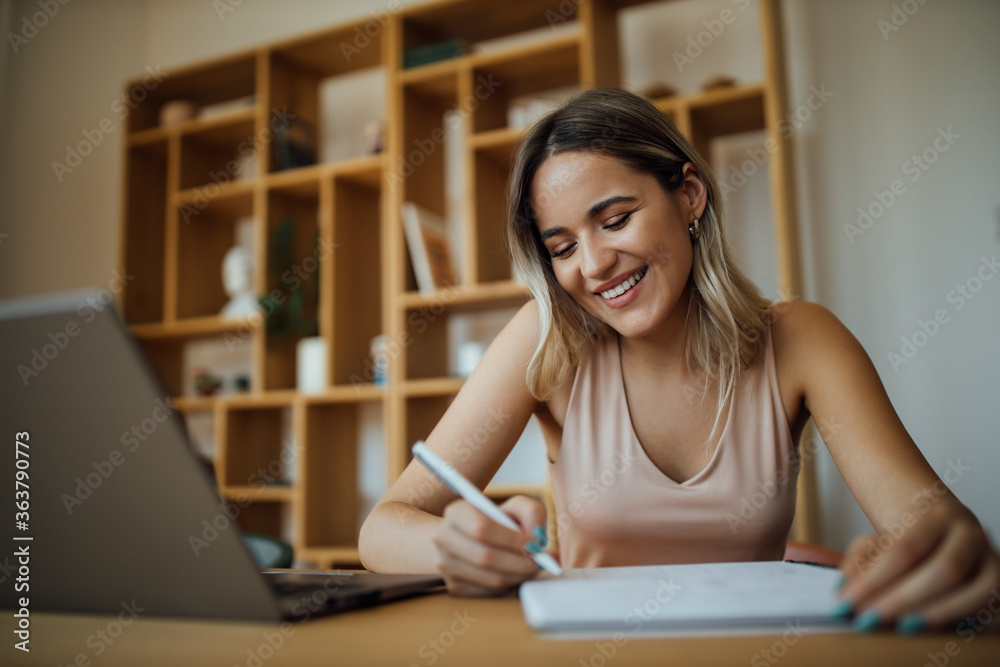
column 116, row 513
column 706, row 598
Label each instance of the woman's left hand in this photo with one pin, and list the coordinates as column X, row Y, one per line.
column 935, row 571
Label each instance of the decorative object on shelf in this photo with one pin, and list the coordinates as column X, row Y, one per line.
column 206, row 383
column 227, row 107
column 430, row 251
column 241, row 384
column 246, row 165
column 469, row 354
column 237, row 279
column 718, row 81
column 658, row 90
column 432, row 53
column 293, row 312
column 177, row 111
column 379, row 351
column 311, row 365
column 294, row 144
column 374, row 137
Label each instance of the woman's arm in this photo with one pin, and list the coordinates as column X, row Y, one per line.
column 931, row 564
column 418, row 526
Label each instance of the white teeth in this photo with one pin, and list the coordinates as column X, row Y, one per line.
column 621, row 289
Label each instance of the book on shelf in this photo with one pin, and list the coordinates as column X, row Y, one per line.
column 430, row 251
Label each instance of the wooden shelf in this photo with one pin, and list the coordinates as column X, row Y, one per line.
column 189, row 404
column 443, row 386
column 195, row 327
column 468, row 298
column 262, row 494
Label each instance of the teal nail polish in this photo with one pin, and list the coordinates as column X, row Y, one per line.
column 868, row 621
column 844, row 609
column 541, row 535
column 911, row 624
column 533, row 547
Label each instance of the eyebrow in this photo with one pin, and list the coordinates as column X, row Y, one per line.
column 592, row 213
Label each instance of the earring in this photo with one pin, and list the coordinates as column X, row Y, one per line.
column 694, row 230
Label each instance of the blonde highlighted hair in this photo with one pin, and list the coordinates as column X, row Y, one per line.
column 726, row 312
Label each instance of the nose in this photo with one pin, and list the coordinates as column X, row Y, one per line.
column 598, row 259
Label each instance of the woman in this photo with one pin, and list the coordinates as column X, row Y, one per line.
column 669, row 392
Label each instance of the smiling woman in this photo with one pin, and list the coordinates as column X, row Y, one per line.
column 670, row 394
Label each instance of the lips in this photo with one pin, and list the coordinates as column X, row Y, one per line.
column 620, row 284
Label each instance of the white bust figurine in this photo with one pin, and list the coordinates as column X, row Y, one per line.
column 237, row 280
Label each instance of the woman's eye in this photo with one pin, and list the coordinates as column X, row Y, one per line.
column 559, row 253
column 619, row 221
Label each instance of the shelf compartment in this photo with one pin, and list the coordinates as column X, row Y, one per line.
column 355, row 291
column 221, row 80
column 329, row 488
column 335, row 51
column 205, row 234
column 144, row 232
column 212, row 151
column 517, row 72
column 422, row 415
column 489, row 175
column 290, row 275
column 255, row 448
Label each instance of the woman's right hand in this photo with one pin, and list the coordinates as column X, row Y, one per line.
column 477, row 556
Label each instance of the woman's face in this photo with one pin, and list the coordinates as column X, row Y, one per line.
column 620, row 246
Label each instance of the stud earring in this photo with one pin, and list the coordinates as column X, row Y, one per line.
column 694, row 230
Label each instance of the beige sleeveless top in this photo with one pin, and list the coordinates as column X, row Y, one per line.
column 615, row 507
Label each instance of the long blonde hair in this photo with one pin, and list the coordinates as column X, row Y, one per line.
column 726, row 311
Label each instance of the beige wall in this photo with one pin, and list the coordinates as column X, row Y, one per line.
column 891, row 96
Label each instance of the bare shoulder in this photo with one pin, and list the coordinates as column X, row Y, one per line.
column 811, row 344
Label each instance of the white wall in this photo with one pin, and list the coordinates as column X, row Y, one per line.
column 890, row 98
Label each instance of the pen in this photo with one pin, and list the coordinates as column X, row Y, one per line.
column 463, row 487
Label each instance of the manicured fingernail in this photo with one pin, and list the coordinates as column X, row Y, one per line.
column 867, row 621
column 533, row 547
column 541, row 535
column 844, row 609
column 911, row 624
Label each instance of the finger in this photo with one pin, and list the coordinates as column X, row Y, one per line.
column 531, row 516
column 886, row 559
column 464, row 578
column 475, row 525
column 973, row 607
column 954, row 562
column 482, row 555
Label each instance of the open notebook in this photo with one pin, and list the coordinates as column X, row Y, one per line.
column 707, row 598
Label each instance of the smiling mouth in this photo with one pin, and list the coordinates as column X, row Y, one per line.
column 625, row 285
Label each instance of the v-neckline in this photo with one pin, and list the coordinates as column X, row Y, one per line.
column 712, row 462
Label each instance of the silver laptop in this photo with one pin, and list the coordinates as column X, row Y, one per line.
column 106, row 522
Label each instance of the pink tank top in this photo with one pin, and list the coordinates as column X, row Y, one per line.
column 614, row 506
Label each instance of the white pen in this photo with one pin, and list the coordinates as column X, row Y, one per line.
column 463, row 487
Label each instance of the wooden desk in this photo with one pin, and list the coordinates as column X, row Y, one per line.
column 442, row 630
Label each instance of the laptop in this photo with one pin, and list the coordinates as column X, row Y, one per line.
column 107, row 521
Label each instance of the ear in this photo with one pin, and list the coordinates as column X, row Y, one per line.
column 693, row 193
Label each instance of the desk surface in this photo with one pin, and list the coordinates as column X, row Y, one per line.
column 442, row 630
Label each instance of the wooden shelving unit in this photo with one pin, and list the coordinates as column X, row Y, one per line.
column 182, row 200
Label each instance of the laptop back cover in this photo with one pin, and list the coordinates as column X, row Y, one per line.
column 118, row 514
